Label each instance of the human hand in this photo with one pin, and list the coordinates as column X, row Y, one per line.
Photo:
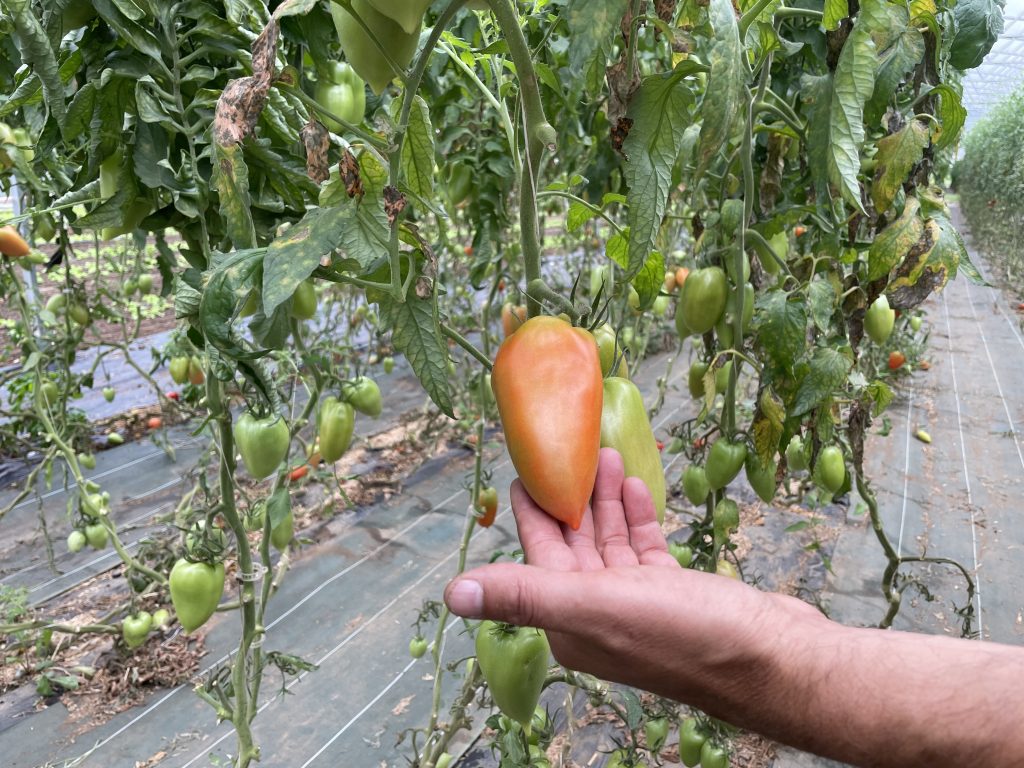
column 611, row 592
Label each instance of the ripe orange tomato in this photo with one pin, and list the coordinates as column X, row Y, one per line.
column 896, row 360
column 548, row 386
column 155, row 422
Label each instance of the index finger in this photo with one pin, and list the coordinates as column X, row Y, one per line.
column 540, row 534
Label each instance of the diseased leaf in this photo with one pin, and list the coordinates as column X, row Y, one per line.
column 900, row 48
column 817, row 95
column 416, row 333
column 781, row 328
column 660, row 112
column 768, row 424
column 592, row 24
column 828, row 371
column 723, row 96
column 894, row 242
column 37, row 53
column 852, row 87
column 231, row 178
column 418, row 150
column 822, row 298
column 951, row 115
column 897, row 154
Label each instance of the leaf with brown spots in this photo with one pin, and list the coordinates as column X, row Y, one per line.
column 394, row 203
column 317, row 141
column 348, row 168
column 242, row 100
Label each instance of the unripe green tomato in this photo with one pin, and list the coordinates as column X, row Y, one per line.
column 304, row 301
column 86, row 461
column 389, row 364
column 161, row 618
column 695, row 379
column 660, row 306
column 780, row 244
column 408, row 14
column 702, row 302
column 634, row 300
column 722, row 377
column 730, row 265
column 109, row 393
column 56, row 303
column 145, row 284
column 361, row 51
column 444, row 760
column 417, row 647
column 114, row 438
column 79, row 313
column 50, row 393
column 915, row 323
column 109, row 170
column 130, row 287
column 281, row 535
column 683, row 553
column 97, row 536
column 830, row 470
column 76, row 541
column 796, row 454
column 695, row 484
column 364, row 394
column 879, row 320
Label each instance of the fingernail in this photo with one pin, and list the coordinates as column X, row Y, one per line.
column 466, row 598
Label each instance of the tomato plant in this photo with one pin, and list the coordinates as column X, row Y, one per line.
column 782, row 201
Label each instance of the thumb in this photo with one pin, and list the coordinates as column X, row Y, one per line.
column 523, row 595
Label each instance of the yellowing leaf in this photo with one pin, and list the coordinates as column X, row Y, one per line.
column 897, row 154
column 895, row 241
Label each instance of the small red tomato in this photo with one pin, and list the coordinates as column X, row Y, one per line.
column 155, row 422
column 924, row 365
column 698, row 443
column 501, row 286
column 896, row 360
column 799, row 230
column 298, row 473
column 173, row 396
column 468, row 250
column 661, row 445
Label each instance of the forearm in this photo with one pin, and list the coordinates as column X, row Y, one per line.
column 873, row 697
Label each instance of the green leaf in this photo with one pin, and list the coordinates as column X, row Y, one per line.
column 416, row 333
column 649, row 279
column 827, row 373
column 951, row 115
column 978, row 25
column 894, row 242
column 224, row 285
column 578, row 215
column 418, row 150
column 231, row 179
column 822, row 299
column 592, row 25
column 897, row 154
column 279, row 505
column 36, row 52
column 900, row 48
column 835, row 11
column 881, row 396
column 816, row 92
column 852, row 87
column 293, row 256
column 781, row 328
column 660, row 114
column 724, row 95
